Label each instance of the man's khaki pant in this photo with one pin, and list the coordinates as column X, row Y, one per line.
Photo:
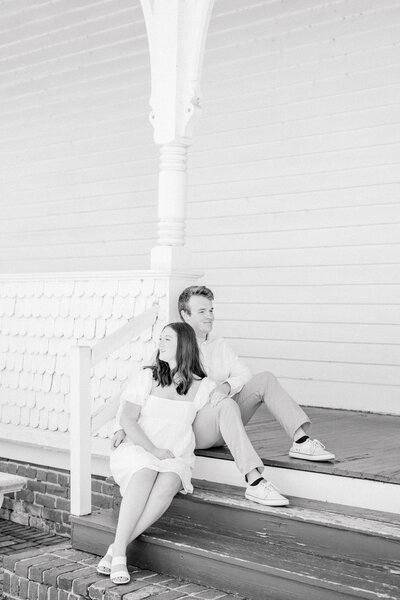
column 224, row 423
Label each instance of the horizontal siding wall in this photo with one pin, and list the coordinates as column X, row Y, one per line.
column 293, row 213
column 76, row 149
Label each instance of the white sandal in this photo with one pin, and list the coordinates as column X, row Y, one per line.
column 122, row 575
column 104, row 565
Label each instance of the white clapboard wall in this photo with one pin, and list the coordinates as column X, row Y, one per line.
column 293, row 214
column 77, row 156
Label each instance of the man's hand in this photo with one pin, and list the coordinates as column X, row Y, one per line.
column 118, row 438
column 162, row 453
column 219, row 393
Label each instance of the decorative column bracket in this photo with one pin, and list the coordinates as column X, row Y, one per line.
column 177, row 32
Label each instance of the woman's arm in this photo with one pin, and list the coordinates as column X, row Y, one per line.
column 129, row 421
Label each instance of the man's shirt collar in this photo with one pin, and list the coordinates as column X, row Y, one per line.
column 209, row 339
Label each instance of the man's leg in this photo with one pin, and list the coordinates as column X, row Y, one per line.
column 221, row 424
column 215, row 425
column 264, row 387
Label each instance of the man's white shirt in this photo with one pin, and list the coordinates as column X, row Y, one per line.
column 222, row 364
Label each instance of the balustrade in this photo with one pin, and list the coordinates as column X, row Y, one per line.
column 82, row 423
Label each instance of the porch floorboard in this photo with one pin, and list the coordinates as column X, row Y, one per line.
column 367, row 446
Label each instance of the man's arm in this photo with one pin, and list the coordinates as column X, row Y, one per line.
column 239, row 373
column 224, row 366
column 220, row 392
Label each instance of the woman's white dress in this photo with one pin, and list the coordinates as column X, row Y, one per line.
column 168, row 424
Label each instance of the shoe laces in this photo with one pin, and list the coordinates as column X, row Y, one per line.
column 316, row 445
column 268, row 486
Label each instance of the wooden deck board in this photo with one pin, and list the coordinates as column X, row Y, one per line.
column 367, row 446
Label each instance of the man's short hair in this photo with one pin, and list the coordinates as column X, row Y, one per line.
column 193, row 290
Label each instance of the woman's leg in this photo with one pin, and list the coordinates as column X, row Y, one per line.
column 133, row 504
column 166, row 486
column 161, row 487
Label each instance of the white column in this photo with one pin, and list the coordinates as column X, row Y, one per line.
column 172, row 195
column 80, row 431
column 177, row 32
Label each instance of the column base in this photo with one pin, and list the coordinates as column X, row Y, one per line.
column 170, row 258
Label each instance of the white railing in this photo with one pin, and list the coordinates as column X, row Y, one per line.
column 82, row 423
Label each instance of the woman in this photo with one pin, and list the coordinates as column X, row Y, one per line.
column 156, row 459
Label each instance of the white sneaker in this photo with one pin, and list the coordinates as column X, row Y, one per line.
column 265, row 493
column 310, row 450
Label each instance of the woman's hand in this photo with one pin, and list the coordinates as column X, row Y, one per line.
column 118, row 438
column 162, row 453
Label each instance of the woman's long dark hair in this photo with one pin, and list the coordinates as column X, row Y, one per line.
column 188, row 363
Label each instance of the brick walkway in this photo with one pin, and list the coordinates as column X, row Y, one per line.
column 41, row 566
column 18, row 538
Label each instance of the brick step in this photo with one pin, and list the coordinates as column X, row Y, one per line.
column 309, row 549
column 62, row 573
column 15, row 538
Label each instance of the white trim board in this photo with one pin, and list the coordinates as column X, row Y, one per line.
column 99, row 275
column 361, row 493
column 49, row 449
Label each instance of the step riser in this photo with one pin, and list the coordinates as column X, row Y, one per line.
column 233, row 578
column 351, row 544
column 349, row 491
column 91, row 539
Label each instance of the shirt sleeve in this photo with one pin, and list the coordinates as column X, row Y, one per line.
column 239, row 373
column 203, row 394
column 136, row 392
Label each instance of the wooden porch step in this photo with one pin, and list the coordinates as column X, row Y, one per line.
column 365, row 474
column 355, row 533
column 309, row 549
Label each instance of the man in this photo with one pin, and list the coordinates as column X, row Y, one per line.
column 234, row 380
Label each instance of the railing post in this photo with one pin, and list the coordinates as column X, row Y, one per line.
column 80, row 431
